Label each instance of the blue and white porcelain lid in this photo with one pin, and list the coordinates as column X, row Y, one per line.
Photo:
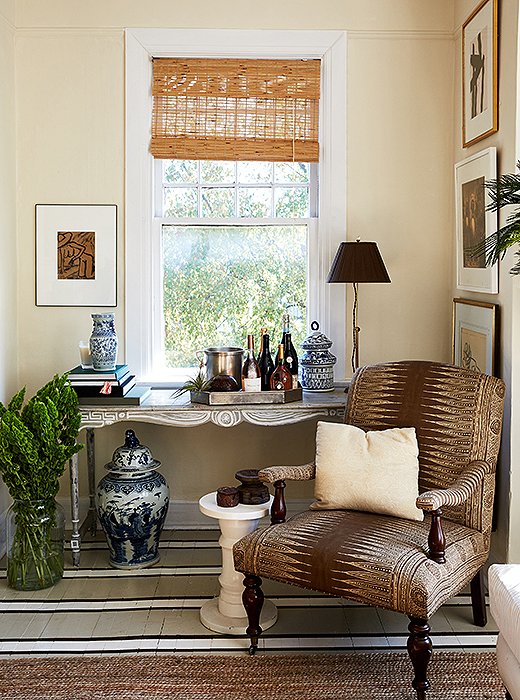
column 316, row 340
column 132, row 457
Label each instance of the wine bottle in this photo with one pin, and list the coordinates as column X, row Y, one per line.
column 263, row 331
column 291, row 357
column 250, row 370
column 281, row 378
column 265, row 362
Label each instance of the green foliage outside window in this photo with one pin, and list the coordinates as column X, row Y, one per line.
column 221, row 283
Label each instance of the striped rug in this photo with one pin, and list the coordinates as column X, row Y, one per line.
column 97, row 610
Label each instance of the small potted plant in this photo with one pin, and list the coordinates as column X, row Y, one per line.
column 36, row 441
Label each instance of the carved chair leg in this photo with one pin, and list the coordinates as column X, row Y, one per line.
column 478, row 601
column 253, row 600
column 420, row 650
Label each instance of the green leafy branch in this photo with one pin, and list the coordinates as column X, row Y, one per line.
column 38, row 438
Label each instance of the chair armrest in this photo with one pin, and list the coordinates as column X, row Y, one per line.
column 462, row 488
column 277, row 476
column 305, row 472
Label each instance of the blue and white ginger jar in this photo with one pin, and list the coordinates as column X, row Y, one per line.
column 317, row 362
column 132, row 502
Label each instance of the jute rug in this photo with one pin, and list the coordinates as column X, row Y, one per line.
column 348, row 676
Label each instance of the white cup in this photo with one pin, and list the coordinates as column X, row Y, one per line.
column 84, row 353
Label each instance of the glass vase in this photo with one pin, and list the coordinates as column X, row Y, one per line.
column 35, row 544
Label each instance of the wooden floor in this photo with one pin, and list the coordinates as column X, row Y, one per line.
column 97, row 609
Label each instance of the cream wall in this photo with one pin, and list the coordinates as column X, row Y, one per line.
column 376, row 15
column 70, row 118
column 8, row 325
column 505, row 547
column 8, row 317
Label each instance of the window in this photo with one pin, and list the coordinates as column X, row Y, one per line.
column 200, row 205
column 212, row 189
column 234, row 241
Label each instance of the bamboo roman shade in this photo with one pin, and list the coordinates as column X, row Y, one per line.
column 233, row 109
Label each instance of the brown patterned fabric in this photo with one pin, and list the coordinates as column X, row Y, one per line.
column 374, row 559
column 381, row 560
column 462, row 489
column 457, row 415
column 305, row 472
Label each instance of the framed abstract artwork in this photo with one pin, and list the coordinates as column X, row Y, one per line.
column 474, row 335
column 479, row 73
column 473, row 222
column 76, row 254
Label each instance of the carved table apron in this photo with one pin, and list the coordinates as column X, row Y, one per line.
column 159, row 408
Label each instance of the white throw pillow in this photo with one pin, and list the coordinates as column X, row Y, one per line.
column 377, row 471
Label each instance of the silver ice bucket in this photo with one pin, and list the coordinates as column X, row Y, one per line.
column 223, row 361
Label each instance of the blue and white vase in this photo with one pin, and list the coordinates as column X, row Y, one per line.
column 132, row 502
column 103, row 342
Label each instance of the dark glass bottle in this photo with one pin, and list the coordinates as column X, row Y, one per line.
column 281, row 378
column 291, row 357
column 263, row 331
column 250, row 369
column 265, row 362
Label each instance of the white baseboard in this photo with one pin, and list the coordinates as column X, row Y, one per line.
column 182, row 515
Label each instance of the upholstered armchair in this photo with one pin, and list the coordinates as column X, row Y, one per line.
column 407, row 565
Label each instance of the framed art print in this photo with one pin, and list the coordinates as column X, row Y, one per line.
column 474, row 335
column 473, row 222
column 76, row 254
column 479, row 73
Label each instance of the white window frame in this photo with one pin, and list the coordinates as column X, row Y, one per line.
column 326, row 301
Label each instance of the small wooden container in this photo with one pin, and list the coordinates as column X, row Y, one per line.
column 252, row 491
column 227, row 497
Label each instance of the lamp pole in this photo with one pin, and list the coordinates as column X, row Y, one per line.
column 356, row 262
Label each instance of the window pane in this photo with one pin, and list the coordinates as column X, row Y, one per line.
column 291, row 172
column 221, row 171
column 254, row 201
column 291, row 202
column 218, row 201
column 176, row 171
column 180, row 201
column 254, row 171
column 222, row 282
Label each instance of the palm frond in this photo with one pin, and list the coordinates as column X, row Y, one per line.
column 503, row 191
column 515, row 270
column 495, row 246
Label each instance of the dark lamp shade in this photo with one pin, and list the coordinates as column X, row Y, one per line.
column 358, row 261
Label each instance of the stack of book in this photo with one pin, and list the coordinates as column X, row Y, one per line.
column 106, row 387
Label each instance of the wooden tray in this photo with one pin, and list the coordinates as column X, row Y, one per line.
column 230, row 398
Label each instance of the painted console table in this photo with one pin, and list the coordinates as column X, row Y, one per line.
column 161, row 409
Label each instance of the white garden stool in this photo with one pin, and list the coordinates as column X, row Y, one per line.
column 226, row 614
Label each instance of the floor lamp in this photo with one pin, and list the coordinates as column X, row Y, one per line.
column 357, row 261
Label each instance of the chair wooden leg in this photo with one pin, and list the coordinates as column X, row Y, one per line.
column 478, row 601
column 419, row 647
column 253, row 600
